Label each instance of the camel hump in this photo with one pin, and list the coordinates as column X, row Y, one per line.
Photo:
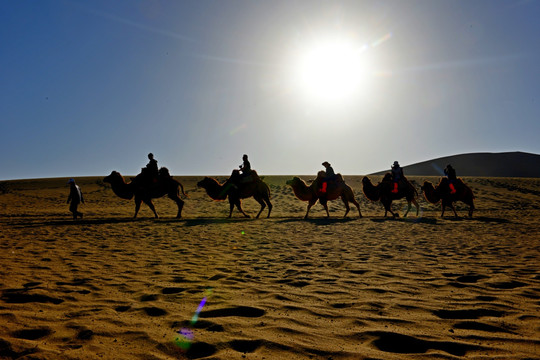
column 387, row 177
column 164, row 173
column 242, row 179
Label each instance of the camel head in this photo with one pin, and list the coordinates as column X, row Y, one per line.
column 206, row 183
column 113, row 177
column 427, row 186
column 430, row 193
column 371, row 191
column 294, row 181
column 366, row 180
column 119, row 186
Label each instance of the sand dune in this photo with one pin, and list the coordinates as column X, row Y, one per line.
column 506, row 164
column 209, row 287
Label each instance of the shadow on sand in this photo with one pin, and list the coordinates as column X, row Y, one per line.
column 70, row 222
column 414, row 220
column 319, row 221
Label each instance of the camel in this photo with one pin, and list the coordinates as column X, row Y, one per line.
column 142, row 192
column 442, row 192
column 335, row 190
column 236, row 191
column 383, row 192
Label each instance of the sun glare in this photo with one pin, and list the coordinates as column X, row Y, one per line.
column 331, row 71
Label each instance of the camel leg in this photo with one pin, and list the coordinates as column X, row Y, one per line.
column 416, row 205
column 347, row 207
column 151, row 206
column 471, row 209
column 179, row 202
column 310, row 204
column 263, row 205
column 231, row 207
column 324, row 203
column 454, row 210
column 327, row 212
column 269, row 206
column 408, row 208
column 239, row 207
column 137, row 206
column 357, row 206
column 388, row 209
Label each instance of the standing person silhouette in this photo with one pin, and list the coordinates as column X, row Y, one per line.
column 75, row 197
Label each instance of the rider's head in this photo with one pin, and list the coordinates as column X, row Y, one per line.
column 396, row 164
column 150, row 156
column 326, row 164
column 244, row 157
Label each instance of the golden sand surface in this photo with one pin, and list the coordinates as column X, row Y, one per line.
column 204, row 286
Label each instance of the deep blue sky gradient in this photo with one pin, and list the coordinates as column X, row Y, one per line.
column 88, row 87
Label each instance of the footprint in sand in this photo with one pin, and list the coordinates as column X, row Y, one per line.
column 240, row 311
column 467, row 314
column 404, row 344
column 154, row 311
column 245, row 346
column 32, row 334
column 21, row 296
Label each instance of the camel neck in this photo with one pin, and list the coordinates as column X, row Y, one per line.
column 123, row 190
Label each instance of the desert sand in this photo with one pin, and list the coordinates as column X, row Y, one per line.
column 109, row 287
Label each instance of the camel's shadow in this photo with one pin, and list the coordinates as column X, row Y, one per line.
column 79, row 222
column 319, row 221
column 413, row 220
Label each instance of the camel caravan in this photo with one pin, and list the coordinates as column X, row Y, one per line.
column 244, row 183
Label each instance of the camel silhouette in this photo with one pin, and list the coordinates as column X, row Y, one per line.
column 383, row 192
column 237, row 190
column 442, row 192
column 311, row 193
column 145, row 191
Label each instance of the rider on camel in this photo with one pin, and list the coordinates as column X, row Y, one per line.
column 152, row 168
column 397, row 175
column 450, row 173
column 330, row 176
column 246, row 166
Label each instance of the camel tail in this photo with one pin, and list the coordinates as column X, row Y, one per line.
column 267, row 190
column 182, row 187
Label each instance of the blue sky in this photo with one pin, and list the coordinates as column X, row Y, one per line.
column 91, row 87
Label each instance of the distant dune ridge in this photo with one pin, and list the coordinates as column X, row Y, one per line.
column 505, row 164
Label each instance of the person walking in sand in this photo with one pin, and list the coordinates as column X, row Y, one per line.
column 75, row 197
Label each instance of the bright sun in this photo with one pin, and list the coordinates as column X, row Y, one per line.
column 331, row 71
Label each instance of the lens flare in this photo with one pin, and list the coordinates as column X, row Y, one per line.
column 186, row 335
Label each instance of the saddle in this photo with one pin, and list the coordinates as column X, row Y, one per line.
column 241, row 179
column 146, row 178
column 324, row 184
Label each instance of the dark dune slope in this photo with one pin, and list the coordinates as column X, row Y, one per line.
column 507, row 164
